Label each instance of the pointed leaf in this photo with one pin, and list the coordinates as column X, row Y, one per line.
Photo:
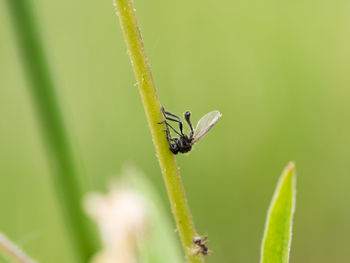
column 278, row 229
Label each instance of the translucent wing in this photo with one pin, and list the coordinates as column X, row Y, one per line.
column 205, row 124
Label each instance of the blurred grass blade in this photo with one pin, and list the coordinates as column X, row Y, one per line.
column 54, row 131
column 278, row 229
column 13, row 252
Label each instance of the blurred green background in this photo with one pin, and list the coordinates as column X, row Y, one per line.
column 278, row 71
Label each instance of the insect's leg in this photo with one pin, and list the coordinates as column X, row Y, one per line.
column 173, row 142
column 175, row 120
column 204, row 239
column 178, row 120
column 171, row 114
column 163, row 110
column 196, row 250
column 165, row 113
column 173, row 129
column 187, row 116
column 168, row 136
column 167, row 130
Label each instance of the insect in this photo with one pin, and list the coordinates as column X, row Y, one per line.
column 201, row 246
column 184, row 142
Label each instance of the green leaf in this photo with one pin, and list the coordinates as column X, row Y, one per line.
column 278, row 229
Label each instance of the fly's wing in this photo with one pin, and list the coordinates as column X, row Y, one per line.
column 205, row 124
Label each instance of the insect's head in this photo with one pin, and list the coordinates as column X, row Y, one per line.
column 197, row 240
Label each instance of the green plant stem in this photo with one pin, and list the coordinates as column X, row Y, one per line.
column 65, row 178
column 167, row 161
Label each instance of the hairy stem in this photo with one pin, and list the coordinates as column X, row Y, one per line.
column 167, row 161
column 65, row 172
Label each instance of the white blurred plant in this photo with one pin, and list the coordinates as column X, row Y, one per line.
column 121, row 216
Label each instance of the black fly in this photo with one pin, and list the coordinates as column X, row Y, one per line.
column 184, row 143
